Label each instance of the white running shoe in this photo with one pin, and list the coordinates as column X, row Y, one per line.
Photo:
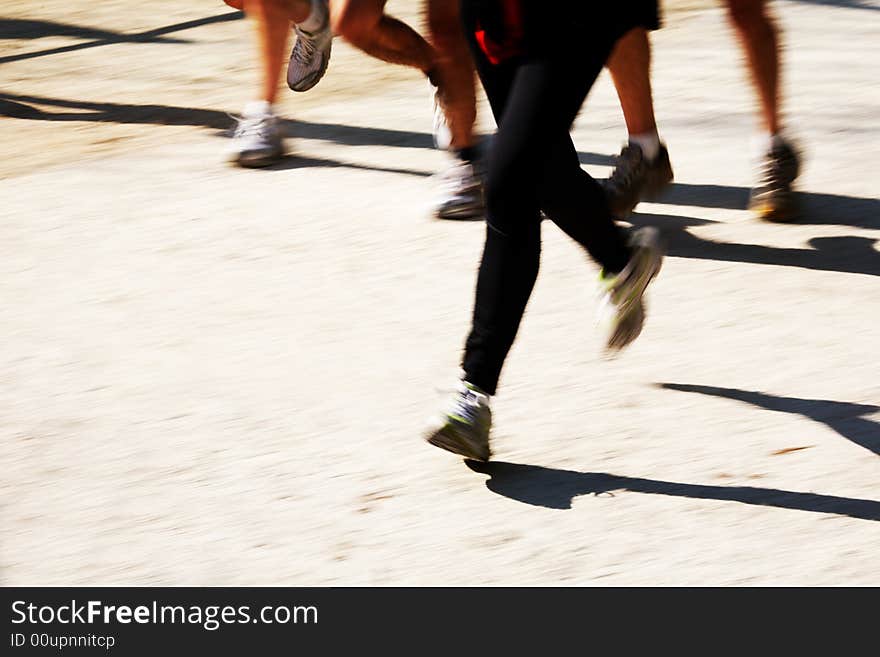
column 309, row 57
column 258, row 140
column 461, row 193
column 621, row 307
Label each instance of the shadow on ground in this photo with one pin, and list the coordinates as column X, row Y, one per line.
column 846, row 4
column 13, row 28
column 26, row 29
column 555, row 489
column 846, row 253
column 22, row 107
column 843, row 417
column 817, row 209
column 824, row 209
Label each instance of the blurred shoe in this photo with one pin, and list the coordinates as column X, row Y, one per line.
column 772, row 198
column 461, row 193
column 635, row 179
column 309, row 57
column 621, row 306
column 258, row 140
column 464, row 428
column 440, row 125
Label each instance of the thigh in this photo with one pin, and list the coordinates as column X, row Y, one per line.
column 536, row 107
column 444, row 12
column 347, row 14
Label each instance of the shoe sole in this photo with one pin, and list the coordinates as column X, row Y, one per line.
column 469, row 214
column 313, row 79
column 457, row 445
column 257, row 162
column 768, row 212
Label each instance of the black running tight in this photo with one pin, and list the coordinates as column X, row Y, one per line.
column 536, row 86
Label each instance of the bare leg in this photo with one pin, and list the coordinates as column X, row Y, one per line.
column 643, row 169
column 630, row 68
column 759, row 38
column 258, row 140
column 364, row 24
column 273, row 19
column 456, row 69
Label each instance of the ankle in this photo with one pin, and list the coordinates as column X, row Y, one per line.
column 317, row 18
column 765, row 142
column 258, row 108
column 467, row 154
column 649, row 142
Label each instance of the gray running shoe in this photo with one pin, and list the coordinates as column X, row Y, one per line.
column 461, row 193
column 464, row 428
column 773, row 198
column 258, row 140
column 636, row 179
column 621, row 307
column 309, row 57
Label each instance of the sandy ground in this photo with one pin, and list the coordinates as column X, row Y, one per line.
column 217, row 376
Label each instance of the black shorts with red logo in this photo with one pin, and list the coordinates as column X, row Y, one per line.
column 507, row 28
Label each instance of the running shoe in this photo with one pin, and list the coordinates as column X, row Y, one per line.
column 773, row 198
column 309, row 57
column 621, row 306
column 464, row 428
column 636, row 179
column 258, row 140
column 461, row 193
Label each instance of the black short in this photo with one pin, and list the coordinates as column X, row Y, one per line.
column 509, row 28
column 648, row 14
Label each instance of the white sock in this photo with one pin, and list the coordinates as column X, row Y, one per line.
column 258, row 108
column 764, row 142
column 649, row 142
column 317, row 19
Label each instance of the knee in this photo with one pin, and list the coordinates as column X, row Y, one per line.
column 268, row 6
column 748, row 15
column 497, row 191
column 493, row 194
column 444, row 25
column 355, row 21
column 510, row 202
column 273, row 9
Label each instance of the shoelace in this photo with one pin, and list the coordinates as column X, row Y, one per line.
column 466, row 406
column 304, row 53
column 253, row 127
column 775, row 167
column 629, row 162
column 459, row 178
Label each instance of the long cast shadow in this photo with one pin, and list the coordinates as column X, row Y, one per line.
column 843, row 417
column 300, row 162
column 555, row 489
column 23, row 28
column 824, row 209
column 17, row 106
column 848, row 254
column 34, row 29
column 167, row 115
column 846, row 4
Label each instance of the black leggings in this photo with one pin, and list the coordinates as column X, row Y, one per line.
column 535, row 91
